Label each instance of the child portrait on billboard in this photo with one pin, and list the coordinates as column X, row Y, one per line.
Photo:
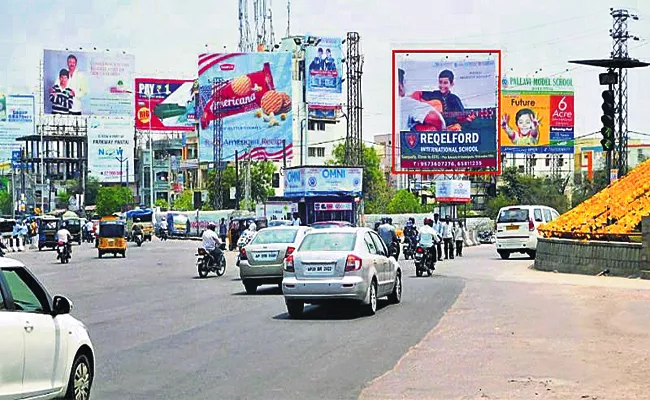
column 61, row 95
column 526, row 132
column 417, row 116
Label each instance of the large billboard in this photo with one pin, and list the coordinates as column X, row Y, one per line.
column 324, row 73
column 446, row 111
column 319, row 181
column 16, row 120
column 537, row 115
column 164, row 104
column 88, row 83
column 251, row 92
column 110, row 149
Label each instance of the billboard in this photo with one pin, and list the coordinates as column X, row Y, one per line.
column 251, row 92
column 164, row 104
column 87, row 83
column 537, row 115
column 446, row 108
column 318, row 181
column 324, row 73
column 16, row 120
column 453, row 191
column 110, row 149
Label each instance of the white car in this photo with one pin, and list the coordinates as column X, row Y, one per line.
column 44, row 352
column 516, row 228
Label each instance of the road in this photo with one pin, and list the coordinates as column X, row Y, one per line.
column 162, row 333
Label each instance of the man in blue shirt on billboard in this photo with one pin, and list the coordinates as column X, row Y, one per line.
column 318, row 62
column 330, row 63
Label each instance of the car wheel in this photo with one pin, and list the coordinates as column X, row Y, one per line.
column 81, row 379
column 371, row 307
column 532, row 254
column 396, row 296
column 429, row 272
column 251, row 288
column 100, row 254
column 295, row 308
column 504, row 254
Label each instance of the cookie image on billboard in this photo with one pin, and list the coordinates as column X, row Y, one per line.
column 272, row 102
column 241, row 85
column 286, row 103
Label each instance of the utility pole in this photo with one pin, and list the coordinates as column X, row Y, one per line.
column 236, row 180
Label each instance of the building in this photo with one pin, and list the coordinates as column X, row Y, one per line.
column 589, row 156
column 168, row 176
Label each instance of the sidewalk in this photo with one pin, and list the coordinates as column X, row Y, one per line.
column 516, row 333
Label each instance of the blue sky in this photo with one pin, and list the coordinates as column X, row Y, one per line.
column 166, row 36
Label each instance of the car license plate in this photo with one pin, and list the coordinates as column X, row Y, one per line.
column 266, row 255
column 321, row 269
column 512, row 228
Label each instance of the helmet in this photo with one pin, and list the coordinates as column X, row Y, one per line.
column 212, row 226
column 426, row 221
column 389, row 220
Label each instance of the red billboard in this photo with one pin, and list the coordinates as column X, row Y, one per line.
column 164, row 104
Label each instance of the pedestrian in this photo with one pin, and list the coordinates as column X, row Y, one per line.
column 448, row 237
column 437, row 226
column 459, row 236
column 223, row 230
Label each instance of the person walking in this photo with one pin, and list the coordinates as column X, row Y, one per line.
column 223, row 230
column 448, row 237
column 459, row 237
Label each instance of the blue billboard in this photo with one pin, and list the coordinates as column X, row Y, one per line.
column 16, row 120
column 250, row 95
column 324, row 73
column 320, row 181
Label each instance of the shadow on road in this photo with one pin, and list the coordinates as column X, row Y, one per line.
column 266, row 290
column 334, row 312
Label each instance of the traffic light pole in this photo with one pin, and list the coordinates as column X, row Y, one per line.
column 608, row 160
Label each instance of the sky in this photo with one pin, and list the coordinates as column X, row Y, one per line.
column 538, row 38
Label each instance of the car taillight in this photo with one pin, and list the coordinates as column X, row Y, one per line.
column 419, row 250
column 290, row 250
column 353, row 263
column 288, row 264
column 531, row 225
column 242, row 254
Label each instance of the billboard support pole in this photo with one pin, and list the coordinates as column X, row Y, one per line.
column 217, row 130
column 236, row 180
column 151, row 202
column 353, row 140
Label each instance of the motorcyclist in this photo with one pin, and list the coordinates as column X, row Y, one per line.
column 63, row 236
column 136, row 230
column 212, row 242
column 248, row 233
column 410, row 232
column 388, row 234
column 163, row 229
column 89, row 228
column 428, row 237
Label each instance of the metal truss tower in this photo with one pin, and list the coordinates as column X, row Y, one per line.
column 245, row 42
column 353, row 140
column 217, row 130
column 620, row 36
column 264, row 36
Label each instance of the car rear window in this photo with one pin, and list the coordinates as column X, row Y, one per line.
column 328, row 242
column 275, row 236
column 513, row 215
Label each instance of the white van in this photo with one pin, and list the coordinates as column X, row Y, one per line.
column 516, row 228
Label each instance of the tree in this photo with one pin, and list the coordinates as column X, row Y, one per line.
column 261, row 181
column 493, row 205
column 585, row 188
column 112, row 199
column 6, row 203
column 185, row 202
column 526, row 190
column 162, row 203
column 92, row 187
column 376, row 192
column 404, row 202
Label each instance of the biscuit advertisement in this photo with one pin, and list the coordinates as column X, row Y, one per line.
column 250, row 94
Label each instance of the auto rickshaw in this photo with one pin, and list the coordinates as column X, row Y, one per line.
column 112, row 237
column 239, row 224
column 48, row 226
column 73, row 224
column 142, row 217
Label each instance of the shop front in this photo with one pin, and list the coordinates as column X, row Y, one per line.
column 325, row 193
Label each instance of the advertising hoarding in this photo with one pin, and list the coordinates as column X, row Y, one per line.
column 109, row 141
column 88, row 83
column 446, row 108
column 324, row 73
column 164, row 104
column 252, row 94
column 318, row 181
column 453, row 191
column 16, row 120
column 537, row 115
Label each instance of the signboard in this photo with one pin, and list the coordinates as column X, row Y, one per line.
column 318, row 181
column 275, row 210
column 333, row 206
column 88, row 83
column 613, row 175
column 453, row 191
column 251, row 92
column 16, row 120
column 164, row 104
column 109, row 141
column 324, row 73
column 447, row 111
column 189, row 164
column 537, row 115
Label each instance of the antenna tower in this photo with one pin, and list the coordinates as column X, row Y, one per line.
column 245, row 42
column 353, row 140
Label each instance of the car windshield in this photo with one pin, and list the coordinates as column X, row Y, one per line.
column 513, row 215
column 275, row 236
column 329, row 242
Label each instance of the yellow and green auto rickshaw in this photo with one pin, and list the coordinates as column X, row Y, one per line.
column 142, row 217
column 112, row 237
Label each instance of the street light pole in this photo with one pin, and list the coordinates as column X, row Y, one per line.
column 151, row 203
column 121, row 159
column 42, row 173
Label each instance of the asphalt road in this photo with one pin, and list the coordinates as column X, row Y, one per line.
column 160, row 332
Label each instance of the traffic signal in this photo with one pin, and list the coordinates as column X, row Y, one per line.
column 608, row 119
column 275, row 181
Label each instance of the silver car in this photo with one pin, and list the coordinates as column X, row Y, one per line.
column 340, row 264
column 261, row 261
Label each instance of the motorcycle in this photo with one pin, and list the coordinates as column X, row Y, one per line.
column 138, row 238
column 486, row 237
column 425, row 256
column 394, row 249
column 63, row 253
column 409, row 246
column 206, row 263
column 163, row 234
